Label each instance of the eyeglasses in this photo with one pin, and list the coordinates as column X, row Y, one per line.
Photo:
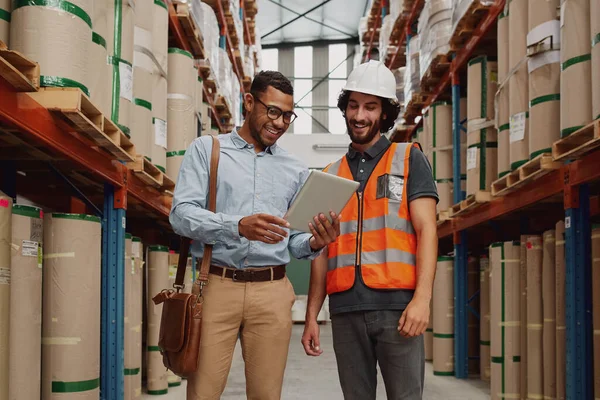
column 276, row 112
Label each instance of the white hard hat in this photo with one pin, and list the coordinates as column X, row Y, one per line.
column 373, row 78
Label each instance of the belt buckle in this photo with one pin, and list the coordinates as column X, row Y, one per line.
column 233, row 276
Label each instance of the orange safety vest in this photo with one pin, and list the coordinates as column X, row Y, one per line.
column 375, row 233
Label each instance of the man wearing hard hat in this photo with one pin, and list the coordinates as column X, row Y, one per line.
column 379, row 272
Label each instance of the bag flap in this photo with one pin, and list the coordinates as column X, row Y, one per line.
column 173, row 321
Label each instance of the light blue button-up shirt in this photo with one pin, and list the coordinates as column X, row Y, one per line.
column 248, row 183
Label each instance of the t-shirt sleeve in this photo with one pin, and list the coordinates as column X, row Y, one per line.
column 420, row 178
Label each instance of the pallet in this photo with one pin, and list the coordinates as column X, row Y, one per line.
column 75, row 108
column 191, row 31
column 247, row 81
column 470, row 203
column 528, row 172
column 168, row 185
column 222, row 108
column 443, row 216
column 467, row 24
column 413, row 108
column 438, row 67
column 146, row 171
column 577, row 143
column 20, row 72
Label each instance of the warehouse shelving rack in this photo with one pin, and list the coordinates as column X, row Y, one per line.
column 43, row 160
column 570, row 192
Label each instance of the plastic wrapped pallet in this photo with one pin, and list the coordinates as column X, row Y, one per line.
column 58, row 40
column 120, row 42
column 502, row 99
column 158, row 279
column 412, row 77
column 561, row 318
column 5, row 272
column 181, row 108
column 100, row 74
column 435, row 26
column 484, row 312
column 384, row 36
column 518, row 84
column 71, row 309
column 461, row 7
column 595, row 30
column 5, row 8
column 25, row 339
column 443, row 318
column 543, row 40
column 505, row 320
column 576, row 66
column 143, row 69
column 535, row 318
column 596, row 304
column 160, row 47
column 211, row 36
column 549, row 313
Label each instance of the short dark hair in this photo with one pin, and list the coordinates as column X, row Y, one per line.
column 264, row 79
column 390, row 108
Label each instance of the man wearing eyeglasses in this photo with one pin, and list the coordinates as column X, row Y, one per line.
column 248, row 294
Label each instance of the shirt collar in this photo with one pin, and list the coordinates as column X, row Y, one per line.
column 380, row 146
column 240, row 143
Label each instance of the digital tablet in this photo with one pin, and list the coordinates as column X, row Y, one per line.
column 321, row 193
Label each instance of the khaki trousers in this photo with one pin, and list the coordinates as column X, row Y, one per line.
column 260, row 312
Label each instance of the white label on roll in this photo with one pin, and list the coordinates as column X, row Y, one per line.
column 471, row 158
column 126, row 81
column 546, row 33
column 563, row 6
column 135, row 249
column 4, row 276
column 29, row 248
column 517, row 127
column 160, row 132
column 545, row 58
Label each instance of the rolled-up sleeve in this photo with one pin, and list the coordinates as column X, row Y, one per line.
column 189, row 216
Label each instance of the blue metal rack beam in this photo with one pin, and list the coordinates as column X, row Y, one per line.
column 113, row 296
column 461, row 297
column 579, row 366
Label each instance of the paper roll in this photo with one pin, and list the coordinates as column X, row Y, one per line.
column 561, row 319
column 58, row 40
column 5, row 276
column 26, row 303
column 71, row 310
column 443, row 317
column 535, row 317
column 5, row 9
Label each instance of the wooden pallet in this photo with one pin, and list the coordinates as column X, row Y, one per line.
column 528, row 172
column 442, row 217
column 251, row 8
column 577, row 143
column 468, row 23
column 191, row 31
column 222, row 108
column 20, row 72
column 168, row 185
column 438, row 67
column 247, row 81
column 75, row 108
column 147, row 172
column 475, row 200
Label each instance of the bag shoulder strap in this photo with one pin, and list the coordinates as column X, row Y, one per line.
column 212, row 205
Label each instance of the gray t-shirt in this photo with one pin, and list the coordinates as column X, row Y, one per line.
column 420, row 184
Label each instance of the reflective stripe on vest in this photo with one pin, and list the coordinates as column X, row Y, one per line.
column 375, row 233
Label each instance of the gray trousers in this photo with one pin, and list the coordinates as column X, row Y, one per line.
column 363, row 339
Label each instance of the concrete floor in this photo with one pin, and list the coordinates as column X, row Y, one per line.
column 316, row 378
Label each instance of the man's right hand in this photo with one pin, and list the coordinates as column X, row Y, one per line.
column 310, row 339
column 263, row 228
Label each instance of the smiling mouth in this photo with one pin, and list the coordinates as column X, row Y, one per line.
column 358, row 126
column 272, row 131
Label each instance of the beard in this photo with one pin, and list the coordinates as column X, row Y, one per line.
column 359, row 139
column 255, row 132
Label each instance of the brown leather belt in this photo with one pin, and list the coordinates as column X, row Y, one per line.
column 250, row 274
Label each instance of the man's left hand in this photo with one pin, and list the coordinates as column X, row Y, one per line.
column 415, row 318
column 323, row 231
